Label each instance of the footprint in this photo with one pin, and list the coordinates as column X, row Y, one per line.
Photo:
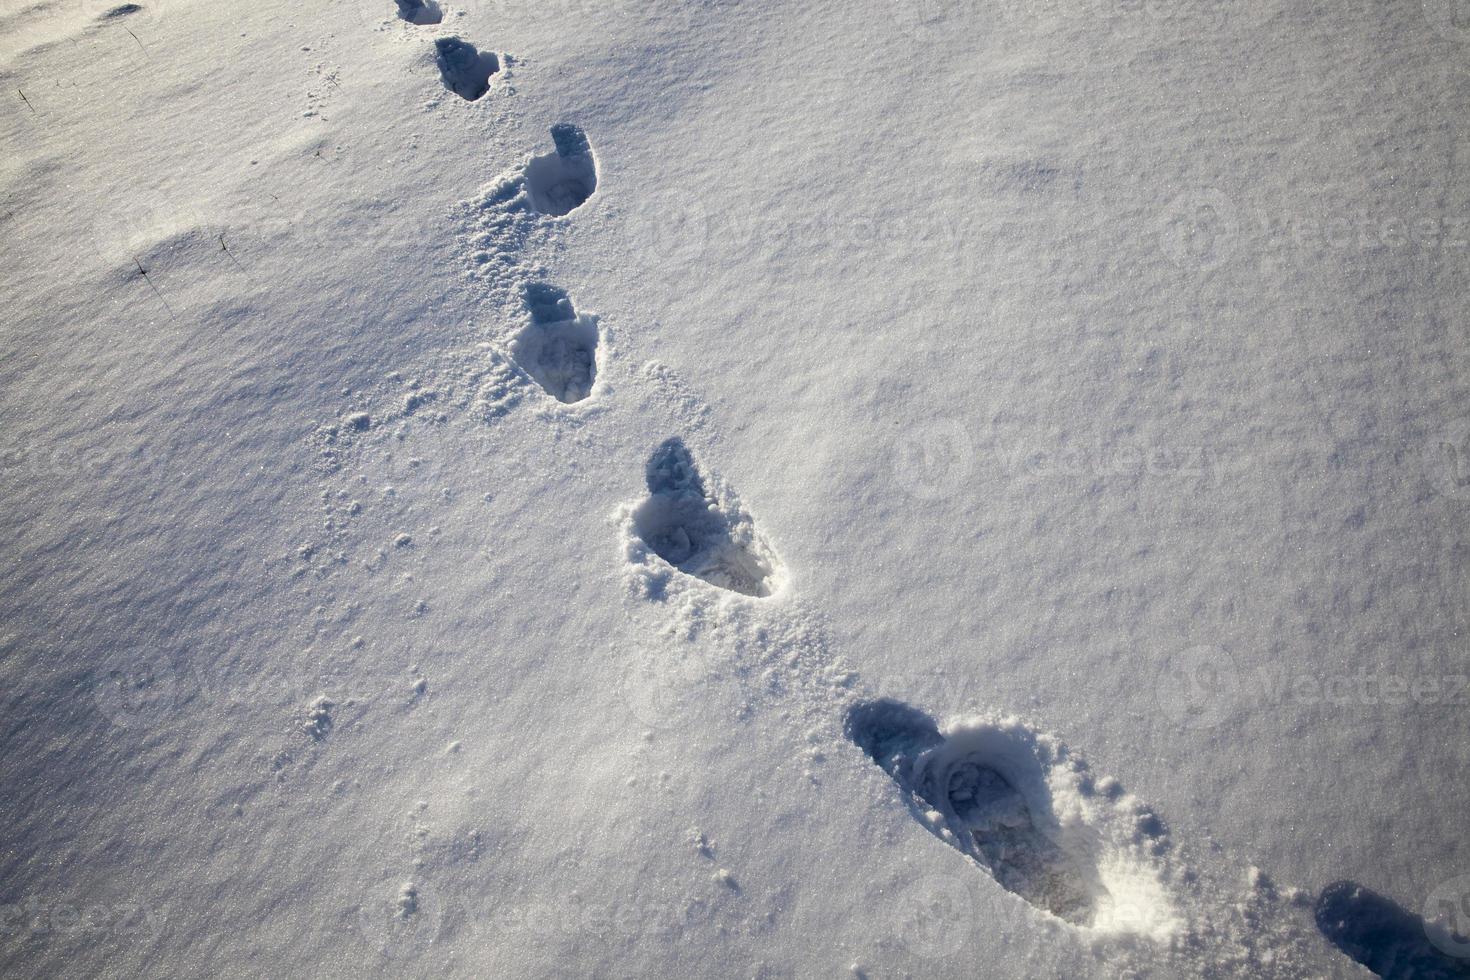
column 698, row 533
column 1386, row 937
column 991, row 790
column 560, row 182
column 559, row 348
column 465, row 70
column 512, row 211
column 421, row 12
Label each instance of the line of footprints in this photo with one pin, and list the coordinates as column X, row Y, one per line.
column 1014, row 801
column 465, row 69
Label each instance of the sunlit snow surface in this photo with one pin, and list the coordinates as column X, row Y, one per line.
column 719, row 489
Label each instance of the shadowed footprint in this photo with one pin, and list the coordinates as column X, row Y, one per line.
column 990, row 790
column 465, row 70
column 987, row 788
column 1386, row 937
column 560, row 182
column 559, row 348
column 421, row 12
column 700, row 534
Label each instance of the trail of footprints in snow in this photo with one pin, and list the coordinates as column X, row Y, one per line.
column 990, row 789
column 983, row 789
column 464, row 68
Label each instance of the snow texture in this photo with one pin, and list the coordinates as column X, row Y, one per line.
column 717, row 489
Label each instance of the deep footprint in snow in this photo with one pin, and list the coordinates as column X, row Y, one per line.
column 974, row 785
column 421, row 12
column 983, row 787
column 560, row 182
column 1386, row 937
column 699, row 533
column 465, row 70
column 559, row 348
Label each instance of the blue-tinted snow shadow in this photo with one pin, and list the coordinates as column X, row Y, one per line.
column 1384, row 936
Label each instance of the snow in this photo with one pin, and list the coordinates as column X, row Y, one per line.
column 461, row 498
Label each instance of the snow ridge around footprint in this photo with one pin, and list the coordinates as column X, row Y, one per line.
column 1017, row 804
column 508, row 230
column 691, row 524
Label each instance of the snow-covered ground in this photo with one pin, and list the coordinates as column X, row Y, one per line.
column 735, row 489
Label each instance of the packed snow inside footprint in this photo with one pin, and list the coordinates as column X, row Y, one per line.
column 465, row 70
column 559, row 348
column 562, row 181
column 697, row 533
column 989, row 790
